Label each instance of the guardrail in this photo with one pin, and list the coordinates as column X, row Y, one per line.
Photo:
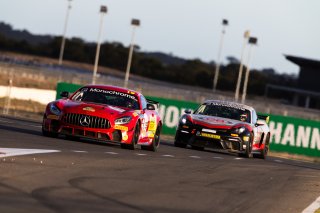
column 288, row 134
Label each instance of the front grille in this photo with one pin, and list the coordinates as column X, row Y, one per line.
column 86, row 121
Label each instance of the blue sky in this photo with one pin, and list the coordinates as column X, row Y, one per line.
column 185, row 28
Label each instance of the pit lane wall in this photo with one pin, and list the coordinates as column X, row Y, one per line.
column 288, row 134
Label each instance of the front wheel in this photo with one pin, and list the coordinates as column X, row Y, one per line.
column 178, row 143
column 155, row 142
column 248, row 151
column 47, row 133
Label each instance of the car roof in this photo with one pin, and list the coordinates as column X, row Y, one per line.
column 230, row 104
column 115, row 88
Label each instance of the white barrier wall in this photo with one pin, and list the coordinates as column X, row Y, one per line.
column 39, row 95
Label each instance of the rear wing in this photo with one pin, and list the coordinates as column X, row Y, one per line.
column 264, row 117
column 155, row 103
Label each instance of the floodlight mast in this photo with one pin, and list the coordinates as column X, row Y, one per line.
column 63, row 42
column 252, row 41
column 103, row 11
column 216, row 74
column 246, row 37
column 135, row 23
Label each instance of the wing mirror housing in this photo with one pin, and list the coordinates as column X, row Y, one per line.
column 188, row 111
column 150, row 107
column 64, row 94
column 260, row 122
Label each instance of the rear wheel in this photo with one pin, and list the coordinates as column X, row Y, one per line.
column 134, row 140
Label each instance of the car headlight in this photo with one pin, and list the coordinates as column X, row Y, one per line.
column 239, row 130
column 54, row 109
column 123, row 120
column 184, row 121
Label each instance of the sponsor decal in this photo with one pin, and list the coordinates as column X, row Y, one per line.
column 53, row 117
column 234, row 135
column 125, row 136
column 207, row 135
column 152, row 124
column 295, row 135
column 89, row 109
column 85, row 121
column 150, row 135
column 230, row 105
column 122, row 128
column 209, row 130
column 112, row 92
column 135, row 114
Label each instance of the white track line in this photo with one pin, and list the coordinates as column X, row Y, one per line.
column 139, row 154
column 9, row 152
column 278, row 161
column 79, row 151
column 170, row 156
column 217, row 157
column 111, row 153
column 313, row 206
column 193, row 156
column 238, row 158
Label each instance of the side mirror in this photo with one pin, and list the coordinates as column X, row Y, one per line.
column 188, row 111
column 260, row 122
column 64, row 94
column 150, row 107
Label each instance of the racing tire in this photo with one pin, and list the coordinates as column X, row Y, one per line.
column 49, row 134
column 134, row 140
column 155, row 142
column 248, row 151
column 177, row 142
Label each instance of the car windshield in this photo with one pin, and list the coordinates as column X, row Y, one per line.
column 109, row 97
column 224, row 111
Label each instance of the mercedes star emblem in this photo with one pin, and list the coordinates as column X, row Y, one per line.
column 85, row 121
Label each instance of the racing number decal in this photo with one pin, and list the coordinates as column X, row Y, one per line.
column 152, row 124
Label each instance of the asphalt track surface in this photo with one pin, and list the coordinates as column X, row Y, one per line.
column 84, row 176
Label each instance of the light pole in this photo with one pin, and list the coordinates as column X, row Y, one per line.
column 103, row 11
column 135, row 23
column 252, row 41
column 216, row 74
column 246, row 36
column 63, row 42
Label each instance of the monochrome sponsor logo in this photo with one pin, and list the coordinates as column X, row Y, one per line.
column 112, row 92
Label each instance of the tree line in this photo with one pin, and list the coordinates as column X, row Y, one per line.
column 114, row 55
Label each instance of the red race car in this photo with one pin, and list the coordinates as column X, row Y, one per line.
column 105, row 113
